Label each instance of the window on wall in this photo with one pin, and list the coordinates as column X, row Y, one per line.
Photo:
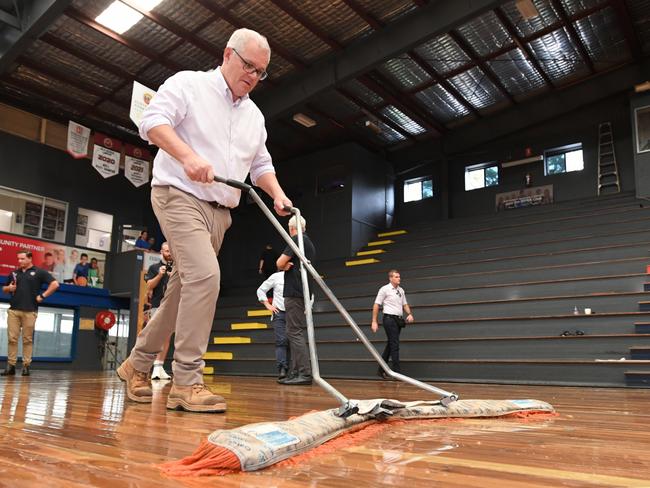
column 52, row 334
column 481, row 176
column 418, row 189
column 32, row 215
column 93, row 229
column 563, row 159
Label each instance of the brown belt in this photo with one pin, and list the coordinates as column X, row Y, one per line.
column 218, row 205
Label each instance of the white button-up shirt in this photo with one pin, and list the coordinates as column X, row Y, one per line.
column 275, row 282
column 231, row 135
column 391, row 299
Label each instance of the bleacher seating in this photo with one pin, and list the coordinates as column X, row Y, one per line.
column 494, row 299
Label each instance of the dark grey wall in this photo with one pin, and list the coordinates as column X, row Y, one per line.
column 580, row 125
column 40, row 169
column 339, row 222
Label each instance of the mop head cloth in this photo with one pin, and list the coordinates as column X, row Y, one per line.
column 257, row 446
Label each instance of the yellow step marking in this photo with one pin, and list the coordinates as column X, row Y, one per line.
column 380, row 243
column 371, row 252
column 208, row 370
column 248, row 325
column 359, row 262
column 232, row 340
column 259, row 313
column 217, row 355
column 391, row 233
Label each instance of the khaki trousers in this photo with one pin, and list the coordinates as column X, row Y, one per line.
column 17, row 319
column 194, row 230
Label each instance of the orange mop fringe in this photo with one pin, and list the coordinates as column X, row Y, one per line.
column 212, row 460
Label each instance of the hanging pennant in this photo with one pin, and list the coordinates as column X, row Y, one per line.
column 136, row 166
column 140, row 98
column 106, row 155
column 78, row 137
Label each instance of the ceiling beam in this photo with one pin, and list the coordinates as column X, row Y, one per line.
column 539, row 110
column 482, row 64
column 397, row 37
column 36, row 17
column 509, row 47
column 573, row 34
column 136, row 46
column 177, row 29
column 39, row 90
column 375, row 113
column 523, row 47
column 236, row 22
column 444, row 83
column 380, row 85
column 627, row 26
column 298, row 16
column 366, row 16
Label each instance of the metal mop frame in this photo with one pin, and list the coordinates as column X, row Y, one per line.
column 348, row 407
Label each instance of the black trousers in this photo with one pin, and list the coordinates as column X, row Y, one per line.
column 296, row 324
column 392, row 347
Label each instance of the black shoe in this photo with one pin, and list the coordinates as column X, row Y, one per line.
column 297, row 380
column 25, row 371
column 9, row 371
column 382, row 374
column 282, row 373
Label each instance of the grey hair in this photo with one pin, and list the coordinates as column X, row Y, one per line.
column 303, row 223
column 241, row 37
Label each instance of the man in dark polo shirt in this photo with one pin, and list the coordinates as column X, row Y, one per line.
column 157, row 277
column 294, row 304
column 24, row 285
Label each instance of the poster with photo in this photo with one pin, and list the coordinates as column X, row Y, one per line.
column 55, row 258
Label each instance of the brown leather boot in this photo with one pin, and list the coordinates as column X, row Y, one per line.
column 138, row 385
column 195, row 398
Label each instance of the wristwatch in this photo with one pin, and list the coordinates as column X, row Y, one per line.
column 41, row 295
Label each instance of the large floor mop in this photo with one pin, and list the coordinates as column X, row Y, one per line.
column 256, row 446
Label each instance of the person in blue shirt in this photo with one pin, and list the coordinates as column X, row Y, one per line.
column 80, row 274
column 142, row 241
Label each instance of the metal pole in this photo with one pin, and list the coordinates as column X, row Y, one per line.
column 447, row 397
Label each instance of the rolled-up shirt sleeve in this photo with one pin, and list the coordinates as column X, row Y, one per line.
column 264, row 288
column 168, row 106
column 262, row 162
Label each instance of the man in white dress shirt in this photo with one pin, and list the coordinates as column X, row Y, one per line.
column 393, row 300
column 275, row 282
column 204, row 124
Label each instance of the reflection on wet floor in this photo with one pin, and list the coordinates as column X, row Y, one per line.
column 79, row 429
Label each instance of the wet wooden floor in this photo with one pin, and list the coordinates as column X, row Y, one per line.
column 77, row 429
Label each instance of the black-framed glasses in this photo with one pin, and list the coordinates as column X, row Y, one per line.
column 398, row 293
column 250, row 67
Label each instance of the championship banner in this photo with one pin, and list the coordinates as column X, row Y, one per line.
column 140, row 98
column 78, row 137
column 106, row 155
column 136, row 166
column 57, row 259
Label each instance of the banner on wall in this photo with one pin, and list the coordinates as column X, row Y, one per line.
column 136, row 166
column 56, row 258
column 106, row 155
column 78, row 138
column 536, row 195
column 140, row 98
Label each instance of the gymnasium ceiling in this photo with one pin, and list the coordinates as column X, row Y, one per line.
column 387, row 74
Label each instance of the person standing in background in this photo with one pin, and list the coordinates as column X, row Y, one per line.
column 24, row 284
column 275, row 282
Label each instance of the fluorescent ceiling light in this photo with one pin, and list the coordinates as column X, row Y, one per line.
column 303, row 119
column 120, row 17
